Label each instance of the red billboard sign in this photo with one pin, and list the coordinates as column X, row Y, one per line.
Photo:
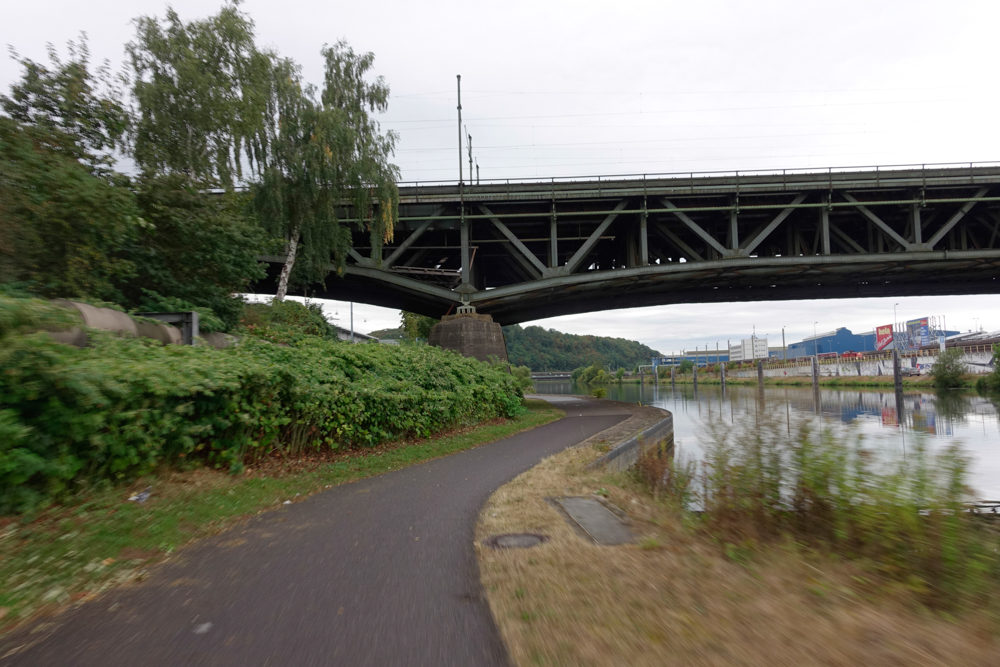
column 883, row 336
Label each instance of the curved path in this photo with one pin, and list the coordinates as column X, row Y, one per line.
column 379, row 572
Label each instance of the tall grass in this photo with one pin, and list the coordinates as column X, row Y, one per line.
column 903, row 516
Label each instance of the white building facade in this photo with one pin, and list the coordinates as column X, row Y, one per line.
column 748, row 349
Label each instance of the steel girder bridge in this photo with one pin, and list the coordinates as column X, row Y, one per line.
column 526, row 250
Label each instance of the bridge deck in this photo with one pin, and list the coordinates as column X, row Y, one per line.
column 524, row 250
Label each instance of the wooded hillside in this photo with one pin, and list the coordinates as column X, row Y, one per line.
column 551, row 350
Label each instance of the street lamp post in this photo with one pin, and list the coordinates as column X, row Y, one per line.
column 894, row 346
column 815, row 342
column 784, row 350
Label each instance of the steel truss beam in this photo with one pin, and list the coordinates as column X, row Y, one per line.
column 842, row 233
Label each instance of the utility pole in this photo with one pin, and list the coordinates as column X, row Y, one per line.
column 477, row 171
column 895, row 345
column 470, row 153
column 459, row 76
column 784, row 350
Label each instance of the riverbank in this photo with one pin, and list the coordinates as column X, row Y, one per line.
column 680, row 595
column 920, row 381
column 70, row 553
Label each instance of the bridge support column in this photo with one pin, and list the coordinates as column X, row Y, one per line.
column 471, row 334
column 553, row 239
column 465, row 248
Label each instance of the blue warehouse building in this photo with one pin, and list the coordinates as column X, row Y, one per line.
column 840, row 341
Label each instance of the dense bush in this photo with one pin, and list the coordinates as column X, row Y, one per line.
column 948, row 370
column 122, row 407
column 593, row 374
column 286, row 321
column 991, row 382
column 522, row 374
column 27, row 315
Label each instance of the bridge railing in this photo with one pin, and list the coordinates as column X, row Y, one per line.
column 888, row 169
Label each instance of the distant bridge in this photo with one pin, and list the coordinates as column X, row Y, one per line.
column 522, row 250
column 551, row 375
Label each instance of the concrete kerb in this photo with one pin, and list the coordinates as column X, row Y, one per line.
column 624, row 455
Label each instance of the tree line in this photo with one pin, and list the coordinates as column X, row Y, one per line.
column 159, row 186
column 550, row 350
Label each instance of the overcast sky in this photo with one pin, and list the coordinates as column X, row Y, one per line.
column 581, row 88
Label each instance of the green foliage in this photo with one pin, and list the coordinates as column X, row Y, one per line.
column 593, row 374
column 906, row 515
column 619, row 374
column 991, row 382
column 18, row 316
column 416, row 327
column 686, row 365
column 318, row 153
column 522, row 374
column 201, row 92
column 199, row 247
column 948, row 369
column 286, row 322
column 75, row 113
column 65, row 217
column 599, row 392
column 542, row 349
column 63, row 229
column 153, row 302
column 122, row 407
column 389, row 334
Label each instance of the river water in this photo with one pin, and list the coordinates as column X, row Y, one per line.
column 936, row 419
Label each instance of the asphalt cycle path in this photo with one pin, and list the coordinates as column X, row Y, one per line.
column 378, row 572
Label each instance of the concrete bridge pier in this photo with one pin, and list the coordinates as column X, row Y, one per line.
column 471, row 334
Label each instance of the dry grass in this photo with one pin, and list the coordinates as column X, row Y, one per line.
column 676, row 598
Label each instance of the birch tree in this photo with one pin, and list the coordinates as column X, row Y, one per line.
column 325, row 156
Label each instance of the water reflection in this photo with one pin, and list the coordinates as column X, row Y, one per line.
column 888, row 419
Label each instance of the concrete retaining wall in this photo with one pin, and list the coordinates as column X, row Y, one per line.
column 624, row 455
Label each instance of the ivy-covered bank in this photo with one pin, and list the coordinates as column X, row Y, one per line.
column 120, row 408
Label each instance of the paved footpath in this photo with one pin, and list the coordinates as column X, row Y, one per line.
column 380, row 572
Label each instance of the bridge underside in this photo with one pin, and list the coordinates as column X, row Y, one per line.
column 532, row 250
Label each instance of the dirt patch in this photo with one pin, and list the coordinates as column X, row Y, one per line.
column 676, row 598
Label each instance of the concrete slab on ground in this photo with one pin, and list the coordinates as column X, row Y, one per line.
column 596, row 520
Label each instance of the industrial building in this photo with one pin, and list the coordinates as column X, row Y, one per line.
column 840, row 341
column 749, row 349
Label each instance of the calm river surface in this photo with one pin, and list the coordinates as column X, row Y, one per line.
column 937, row 419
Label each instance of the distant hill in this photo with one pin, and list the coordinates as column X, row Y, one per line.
column 389, row 334
column 551, row 350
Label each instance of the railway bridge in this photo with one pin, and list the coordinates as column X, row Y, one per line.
column 522, row 250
